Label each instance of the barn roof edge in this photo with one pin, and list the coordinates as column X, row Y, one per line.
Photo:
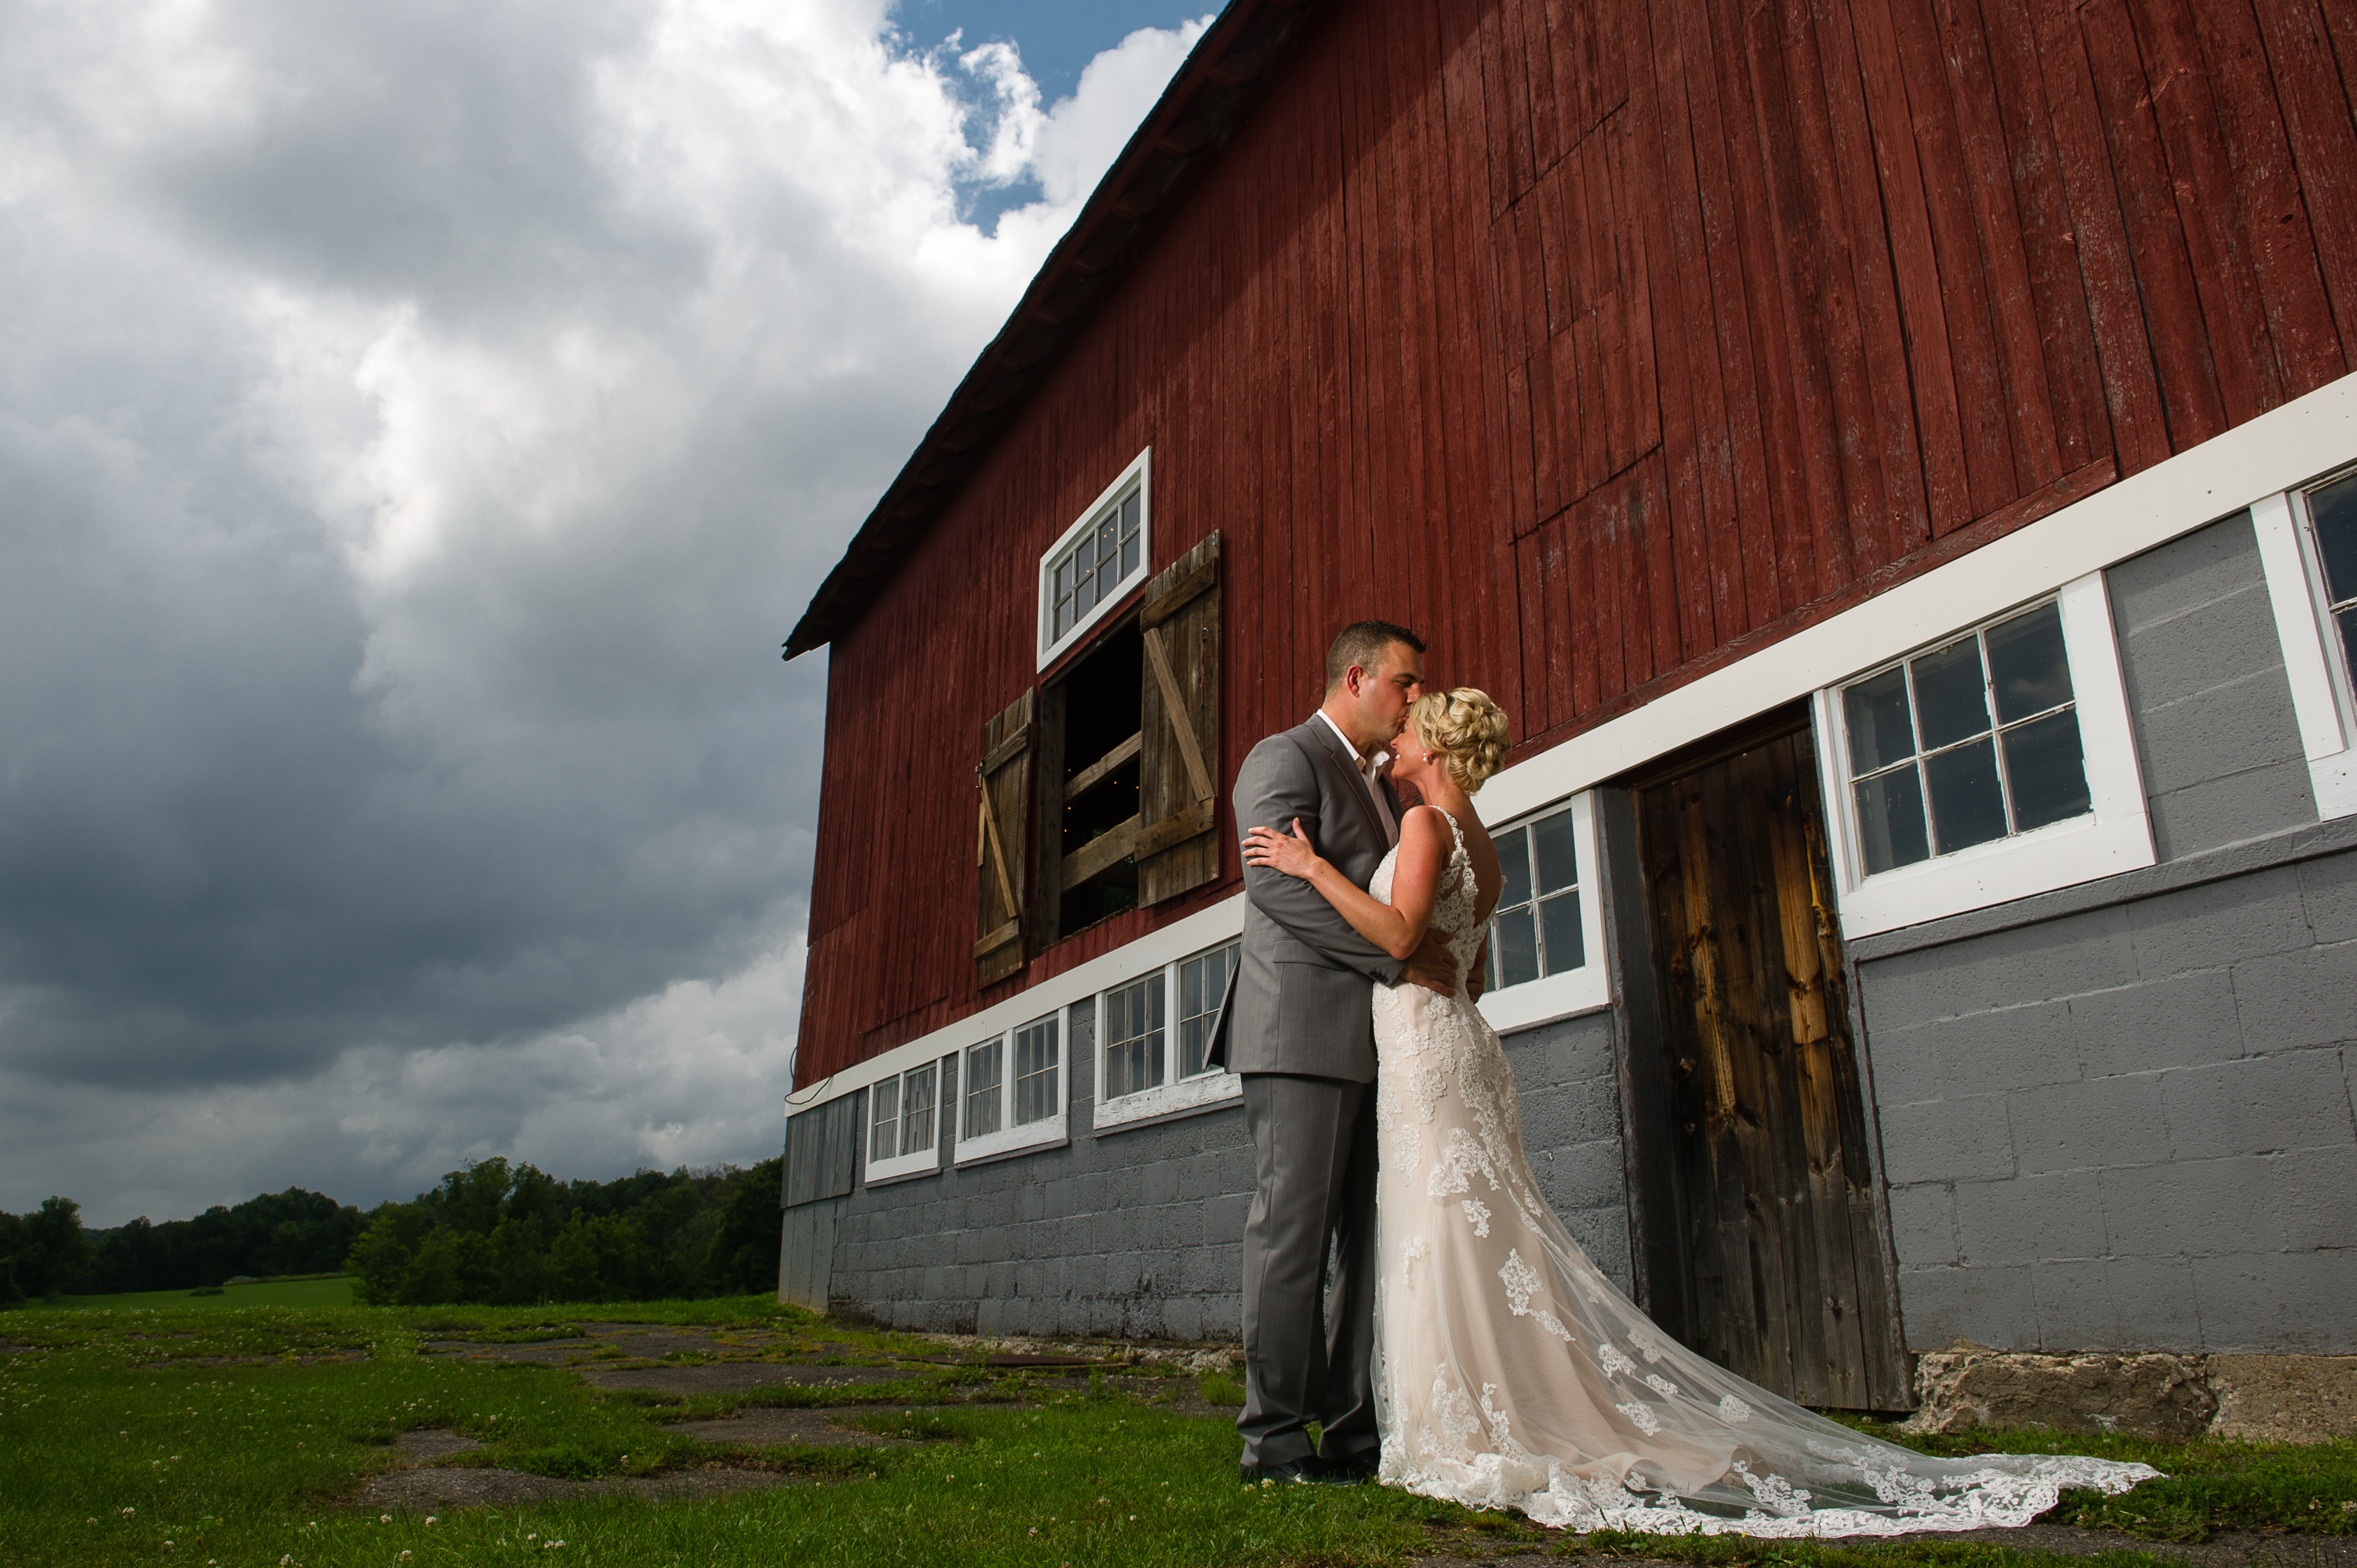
column 1220, row 79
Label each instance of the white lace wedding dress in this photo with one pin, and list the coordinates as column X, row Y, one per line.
column 1511, row 1373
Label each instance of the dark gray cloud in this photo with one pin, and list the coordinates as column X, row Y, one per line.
column 418, row 426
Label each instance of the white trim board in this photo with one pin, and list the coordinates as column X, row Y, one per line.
column 1203, row 928
column 2274, row 452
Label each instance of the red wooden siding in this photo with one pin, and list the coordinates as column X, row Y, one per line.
column 1605, row 340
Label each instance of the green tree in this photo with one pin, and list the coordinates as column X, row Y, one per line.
column 744, row 1255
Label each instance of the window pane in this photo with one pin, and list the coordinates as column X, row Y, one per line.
column 1967, row 808
column 982, row 1068
column 884, row 1137
column 2048, row 776
column 1951, row 698
column 1034, row 1071
column 1514, row 861
column 2348, row 619
column 1108, row 554
column 1516, row 944
column 1084, row 596
column 1129, row 538
column 1558, row 858
column 2334, row 510
column 917, row 1113
column 1201, row 982
column 1560, row 930
column 1890, row 821
column 1879, row 733
column 2026, row 664
column 1133, row 1042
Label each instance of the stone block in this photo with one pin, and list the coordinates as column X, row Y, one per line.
column 2182, row 1021
column 1986, row 1305
column 2116, row 1303
column 1182, row 1317
column 2218, row 923
column 1603, row 1235
column 2329, row 888
column 2278, row 1302
column 2232, row 716
column 2284, row 1398
column 1581, row 1050
column 1923, row 1225
column 2239, row 807
column 1582, row 1175
column 2087, row 952
column 2316, row 1193
column 2087, row 1126
column 2030, row 1219
column 1220, row 1220
column 2191, row 1208
column 2006, row 1048
column 2295, row 1099
column 2297, row 998
column 2144, row 1396
column 2186, row 576
column 1956, row 1140
column 1905, row 1064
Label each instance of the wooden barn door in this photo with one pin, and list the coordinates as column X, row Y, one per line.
column 1783, row 1259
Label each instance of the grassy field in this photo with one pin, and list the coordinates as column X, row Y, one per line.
column 202, row 1436
column 325, row 1290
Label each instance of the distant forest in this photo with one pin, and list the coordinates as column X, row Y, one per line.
column 491, row 1233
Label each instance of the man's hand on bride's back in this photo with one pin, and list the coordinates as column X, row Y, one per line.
column 1432, row 965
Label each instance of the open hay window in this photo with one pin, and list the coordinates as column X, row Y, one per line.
column 1128, row 752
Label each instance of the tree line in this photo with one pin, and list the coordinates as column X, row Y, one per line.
column 491, row 1233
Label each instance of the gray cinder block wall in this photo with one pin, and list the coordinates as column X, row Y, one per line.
column 2119, row 1116
column 1138, row 1233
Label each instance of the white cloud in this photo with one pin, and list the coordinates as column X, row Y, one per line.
column 420, row 428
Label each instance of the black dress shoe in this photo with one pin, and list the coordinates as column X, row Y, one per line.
column 1284, row 1473
column 1351, row 1468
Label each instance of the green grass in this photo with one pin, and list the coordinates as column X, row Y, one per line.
column 332, row 1290
column 242, row 1436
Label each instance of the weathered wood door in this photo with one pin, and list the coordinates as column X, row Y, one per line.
column 1783, row 1259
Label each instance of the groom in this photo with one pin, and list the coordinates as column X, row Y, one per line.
column 1297, row 1024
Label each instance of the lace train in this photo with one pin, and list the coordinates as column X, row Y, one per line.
column 1510, row 1372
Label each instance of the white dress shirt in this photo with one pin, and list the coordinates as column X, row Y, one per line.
column 1367, row 774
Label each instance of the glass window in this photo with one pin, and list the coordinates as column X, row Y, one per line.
column 1034, row 1071
column 1536, row 929
column 982, row 1066
column 1134, row 1049
column 884, row 1123
column 1202, row 981
column 917, row 1109
column 1093, row 569
column 1971, row 742
column 2332, row 514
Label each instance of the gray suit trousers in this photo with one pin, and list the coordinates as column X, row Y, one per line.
column 1306, row 1357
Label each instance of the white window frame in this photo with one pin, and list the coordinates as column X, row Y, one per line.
column 1210, row 1087
column 921, row 1161
column 1138, row 477
column 1049, row 1129
column 1581, row 990
column 2114, row 836
column 2322, row 698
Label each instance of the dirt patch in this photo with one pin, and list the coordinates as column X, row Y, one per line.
column 433, row 1443
column 543, row 1352
column 738, row 1377
column 769, row 1428
column 442, row 1486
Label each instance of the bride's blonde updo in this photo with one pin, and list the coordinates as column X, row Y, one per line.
column 1468, row 729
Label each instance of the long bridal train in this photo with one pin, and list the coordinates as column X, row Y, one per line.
column 1510, row 1372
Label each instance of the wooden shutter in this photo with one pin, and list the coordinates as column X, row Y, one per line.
column 1178, row 762
column 1001, row 797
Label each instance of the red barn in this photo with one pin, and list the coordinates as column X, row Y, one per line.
column 1884, row 454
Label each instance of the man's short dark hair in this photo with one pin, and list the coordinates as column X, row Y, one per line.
column 1362, row 643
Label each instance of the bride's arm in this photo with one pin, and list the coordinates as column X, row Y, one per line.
column 1397, row 927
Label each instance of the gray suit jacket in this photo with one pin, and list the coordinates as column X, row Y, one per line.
column 1298, row 1002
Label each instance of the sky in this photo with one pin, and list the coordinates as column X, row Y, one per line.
column 419, row 424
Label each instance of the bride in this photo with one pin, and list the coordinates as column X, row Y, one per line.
column 1509, row 1371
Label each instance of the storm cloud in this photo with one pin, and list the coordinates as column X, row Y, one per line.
column 418, row 427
